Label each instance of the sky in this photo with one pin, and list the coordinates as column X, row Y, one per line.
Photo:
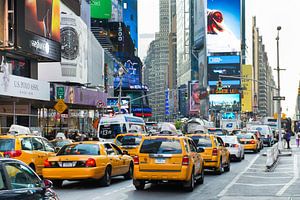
column 269, row 14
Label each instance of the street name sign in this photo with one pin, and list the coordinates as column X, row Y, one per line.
column 278, row 98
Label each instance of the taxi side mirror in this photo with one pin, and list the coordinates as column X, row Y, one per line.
column 200, row 150
column 56, row 150
column 125, row 152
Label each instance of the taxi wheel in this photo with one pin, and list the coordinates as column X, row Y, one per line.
column 106, row 179
column 227, row 168
column 57, row 183
column 189, row 185
column 128, row 175
column 220, row 169
column 139, row 185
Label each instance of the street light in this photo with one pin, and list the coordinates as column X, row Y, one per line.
column 279, row 101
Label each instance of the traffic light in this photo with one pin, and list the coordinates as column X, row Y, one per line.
column 219, row 85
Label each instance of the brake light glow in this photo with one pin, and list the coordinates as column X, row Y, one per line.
column 47, row 163
column 185, row 160
column 235, row 145
column 252, row 142
column 12, row 154
column 215, row 152
column 136, row 160
column 90, row 162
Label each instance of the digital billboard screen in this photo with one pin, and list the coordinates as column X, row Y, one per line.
column 226, row 102
column 101, row 9
column 223, row 26
column 42, row 17
column 214, row 71
column 131, row 79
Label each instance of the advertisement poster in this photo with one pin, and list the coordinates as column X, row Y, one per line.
column 247, row 84
column 42, row 17
column 223, row 26
column 101, row 9
column 194, row 96
column 199, row 23
column 225, row 102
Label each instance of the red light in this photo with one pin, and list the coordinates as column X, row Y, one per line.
column 215, row 152
column 12, row 154
column 185, row 160
column 47, row 163
column 252, row 142
column 136, row 160
column 90, row 162
column 236, row 145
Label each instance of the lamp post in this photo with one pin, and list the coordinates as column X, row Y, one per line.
column 120, row 73
column 279, row 101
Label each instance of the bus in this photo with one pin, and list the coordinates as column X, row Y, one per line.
column 110, row 127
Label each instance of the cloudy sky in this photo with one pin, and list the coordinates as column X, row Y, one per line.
column 269, row 14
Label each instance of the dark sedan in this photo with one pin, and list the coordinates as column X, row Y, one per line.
column 18, row 181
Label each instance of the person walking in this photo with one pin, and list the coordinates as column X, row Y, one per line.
column 287, row 137
column 297, row 136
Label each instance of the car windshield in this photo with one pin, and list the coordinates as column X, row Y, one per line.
column 80, row 149
column 129, row 140
column 7, row 144
column 202, row 141
column 244, row 136
column 161, row 146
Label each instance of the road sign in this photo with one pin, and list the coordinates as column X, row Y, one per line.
column 60, row 92
column 60, row 106
column 278, row 98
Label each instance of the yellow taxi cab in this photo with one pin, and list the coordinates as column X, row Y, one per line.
column 88, row 160
column 31, row 149
column 164, row 158
column 249, row 141
column 216, row 156
column 129, row 142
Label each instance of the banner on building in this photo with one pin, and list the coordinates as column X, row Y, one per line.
column 247, row 91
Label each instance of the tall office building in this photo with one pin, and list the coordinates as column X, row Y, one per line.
column 262, row 72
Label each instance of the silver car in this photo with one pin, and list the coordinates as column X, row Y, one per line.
column 235, row 148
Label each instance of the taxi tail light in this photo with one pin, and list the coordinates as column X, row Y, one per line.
column 47, row 163
column 136, row 160
column 215, row 152
column 185, row 160
column 90, row 162
column 252, row 142
column 12, row 154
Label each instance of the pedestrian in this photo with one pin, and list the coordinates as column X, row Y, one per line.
column 297, row 135
column 287, row 137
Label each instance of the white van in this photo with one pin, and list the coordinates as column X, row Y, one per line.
column 266, row 132
column 110, row 127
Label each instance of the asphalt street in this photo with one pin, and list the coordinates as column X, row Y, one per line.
column 246, row 180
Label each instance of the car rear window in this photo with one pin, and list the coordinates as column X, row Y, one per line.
column 216, row 131
column 161, row 146
column 7, row 144
column 202, row 141
column 128, row 140
column 244, row 136
column 80, row 149
column 61, row 143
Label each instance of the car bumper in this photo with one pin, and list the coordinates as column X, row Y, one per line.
column 211, row 163
column 234, row 153
column 161, row 175
column 250, row 146
column 73, row 173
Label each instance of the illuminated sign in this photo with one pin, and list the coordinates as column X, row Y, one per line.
column 223, row 59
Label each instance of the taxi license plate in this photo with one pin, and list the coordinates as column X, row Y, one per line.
column 160, row 161
column 67, row 164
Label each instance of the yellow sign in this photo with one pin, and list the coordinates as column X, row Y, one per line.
column 283, row 115
column 247, row 85
column 60, row 106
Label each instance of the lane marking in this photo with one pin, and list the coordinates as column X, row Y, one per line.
column 259, row 185
column 267, row 177
column 222, row 193
column 296, row 176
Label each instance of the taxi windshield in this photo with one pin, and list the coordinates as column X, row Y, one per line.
column 202, row 141
column 7, row 144
column 129, row 140
column 161, row 146
column 80, row 149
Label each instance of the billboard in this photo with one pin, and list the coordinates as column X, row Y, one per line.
column 116, row 11
column 199, row 23
column 42, row 17
column 101, row 9
column 225, row 102
column 194, row 96
column 130, row 18
column 247, row 92
column 131, row 79
column 223, row 26
column 38, row 29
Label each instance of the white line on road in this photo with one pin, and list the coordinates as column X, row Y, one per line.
column 265, row 177
column 296, row 176
column 237, row 178
column 259, row 185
